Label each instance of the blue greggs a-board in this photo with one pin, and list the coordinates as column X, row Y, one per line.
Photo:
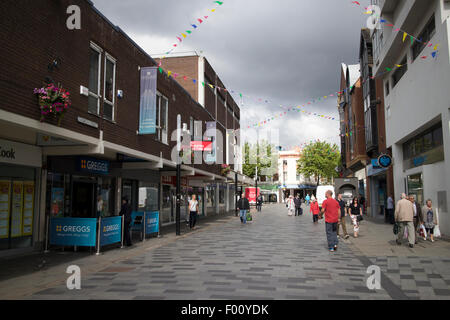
column 73, row 232
column 151, row 222
column 110, row 230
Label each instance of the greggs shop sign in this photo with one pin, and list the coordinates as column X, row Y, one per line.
column 91, row 165
column 73, row 231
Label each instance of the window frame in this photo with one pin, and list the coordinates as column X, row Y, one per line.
column 98, row 96
column 106, row 101
column 161, row 134
column 419, row 46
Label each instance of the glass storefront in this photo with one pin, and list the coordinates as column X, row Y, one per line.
column 415, row 187
column 148, row 197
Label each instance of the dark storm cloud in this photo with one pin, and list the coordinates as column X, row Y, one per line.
column 286, row 51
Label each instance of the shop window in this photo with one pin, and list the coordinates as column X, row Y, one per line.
column 438, row 139
column 221, row 196
column 148, row 197
column 423, row 142
column 105, row 197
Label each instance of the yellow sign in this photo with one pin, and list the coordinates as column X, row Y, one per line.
column 16, row 209
column 5, row 192
column 28, row 208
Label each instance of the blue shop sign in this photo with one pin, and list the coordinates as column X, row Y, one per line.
column 385, row 161
column 92, row 165
column 73, row 231
column 151, row 222
column 110, row 230
column 375, row 164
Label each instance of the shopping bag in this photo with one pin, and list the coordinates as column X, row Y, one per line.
column 405, row 234
column 249, row 217
column 437, row 232
column 423, row 231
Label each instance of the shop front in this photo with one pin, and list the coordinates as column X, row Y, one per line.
column 168, row 201
column 20, row 171
column 377, row 181
column 80, row 187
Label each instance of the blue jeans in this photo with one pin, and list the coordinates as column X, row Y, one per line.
column 331, row 235
column 243, row 215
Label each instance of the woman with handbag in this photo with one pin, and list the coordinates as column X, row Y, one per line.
column 356, row 215
column 429, row 218
column 291, row 205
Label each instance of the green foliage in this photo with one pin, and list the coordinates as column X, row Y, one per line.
column 319, row 159
column 260, row 155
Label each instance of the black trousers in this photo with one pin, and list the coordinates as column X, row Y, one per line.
column 298, row 211
column 127, row 234
column 192, row 219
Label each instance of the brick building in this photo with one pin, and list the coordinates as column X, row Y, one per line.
column 85, row 165
column 351, row 110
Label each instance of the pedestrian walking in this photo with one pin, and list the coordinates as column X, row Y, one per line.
column 259, row 202
column 356, row 212
column 291, row 205
column 193, row 211
column 404, row 216
column 417, row 216
column 298, row 205
column 390, row 209
column 341, row 223
column 125, row 211
column 243, row 205
column 429, row 219
column 314, row 209
column 331, row 210
column 307, row 198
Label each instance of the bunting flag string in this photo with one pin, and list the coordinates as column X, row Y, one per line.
column 193, row 26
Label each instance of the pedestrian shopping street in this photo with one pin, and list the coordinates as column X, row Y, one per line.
column 273, row 257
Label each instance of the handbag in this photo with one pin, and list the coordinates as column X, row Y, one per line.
column 423, row 231
column 359, row 218
column 396, row 227
column 249, row 217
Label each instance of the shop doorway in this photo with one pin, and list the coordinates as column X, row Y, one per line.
column 83, row 200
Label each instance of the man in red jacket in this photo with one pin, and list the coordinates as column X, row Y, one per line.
column 331, row 209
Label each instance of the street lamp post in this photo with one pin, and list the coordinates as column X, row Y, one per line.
column 178, row 188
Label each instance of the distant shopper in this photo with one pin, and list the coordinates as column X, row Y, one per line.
column 356, row 212
column 99, row 206
column 417, row 216
column 298, row 205
column 291, row 205
column 193, row 211
column 429, row 218
column 390, row 209
column 331, row 209
column 126, row 212
column 343, row 212
column 243, row 206
column 307, row 198
column 314, row 209
column 404, row 216
column 259, row 202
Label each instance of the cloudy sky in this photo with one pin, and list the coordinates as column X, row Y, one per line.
column 287, row 52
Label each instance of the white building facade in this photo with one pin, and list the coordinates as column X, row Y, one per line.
column 417, row 98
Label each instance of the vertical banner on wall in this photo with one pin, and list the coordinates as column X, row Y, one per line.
column 16, row 209
column 210, row 135
column 5, row 192
column 147, row 115
column 28, row 208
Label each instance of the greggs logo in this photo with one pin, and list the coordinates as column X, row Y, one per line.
column 79, row 229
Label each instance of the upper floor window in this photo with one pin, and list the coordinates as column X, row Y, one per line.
column 425, row 36
column 399, row 72
column 95, row 54
column 423, row 142
column 162, row 107
column 110, row 87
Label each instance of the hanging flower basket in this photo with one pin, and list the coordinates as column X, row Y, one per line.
column 225, row 169
column 53, row 102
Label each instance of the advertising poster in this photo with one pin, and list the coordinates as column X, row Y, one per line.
column 152, row 222
column 110, row 230
column 73, row 231
column 147, row 115
column 5, row 192
column 28, row 208
column 16, row 209
column 57, row 205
